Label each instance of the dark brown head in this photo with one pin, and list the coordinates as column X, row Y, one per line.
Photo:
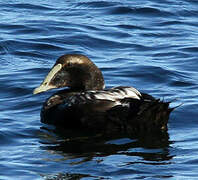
column 74, row 71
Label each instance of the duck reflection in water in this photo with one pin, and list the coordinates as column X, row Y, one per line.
column 74, row 144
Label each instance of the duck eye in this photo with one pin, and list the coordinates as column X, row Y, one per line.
column 58, row 79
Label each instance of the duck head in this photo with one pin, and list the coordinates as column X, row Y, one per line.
column 74, row 71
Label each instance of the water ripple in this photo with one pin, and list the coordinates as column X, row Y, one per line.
column 151, row 45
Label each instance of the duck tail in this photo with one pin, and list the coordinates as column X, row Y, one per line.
column 152, row 115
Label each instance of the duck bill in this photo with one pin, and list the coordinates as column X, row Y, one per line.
column 45, row 85
column 42, row 88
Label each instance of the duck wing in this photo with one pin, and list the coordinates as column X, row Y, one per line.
column 84, row 105
column 103, row 100
column 120, row 109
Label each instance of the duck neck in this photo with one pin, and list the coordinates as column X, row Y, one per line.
column 95, row 80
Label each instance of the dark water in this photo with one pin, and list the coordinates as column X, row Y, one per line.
column 149, row 44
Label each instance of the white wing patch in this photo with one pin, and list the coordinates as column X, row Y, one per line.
column 114, row 94
column 117, row 93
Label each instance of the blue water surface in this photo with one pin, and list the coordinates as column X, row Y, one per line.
column 149, row 44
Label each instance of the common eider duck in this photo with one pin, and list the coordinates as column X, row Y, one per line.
column 86, row 104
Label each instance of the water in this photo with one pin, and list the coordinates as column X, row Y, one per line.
column 149, row 44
